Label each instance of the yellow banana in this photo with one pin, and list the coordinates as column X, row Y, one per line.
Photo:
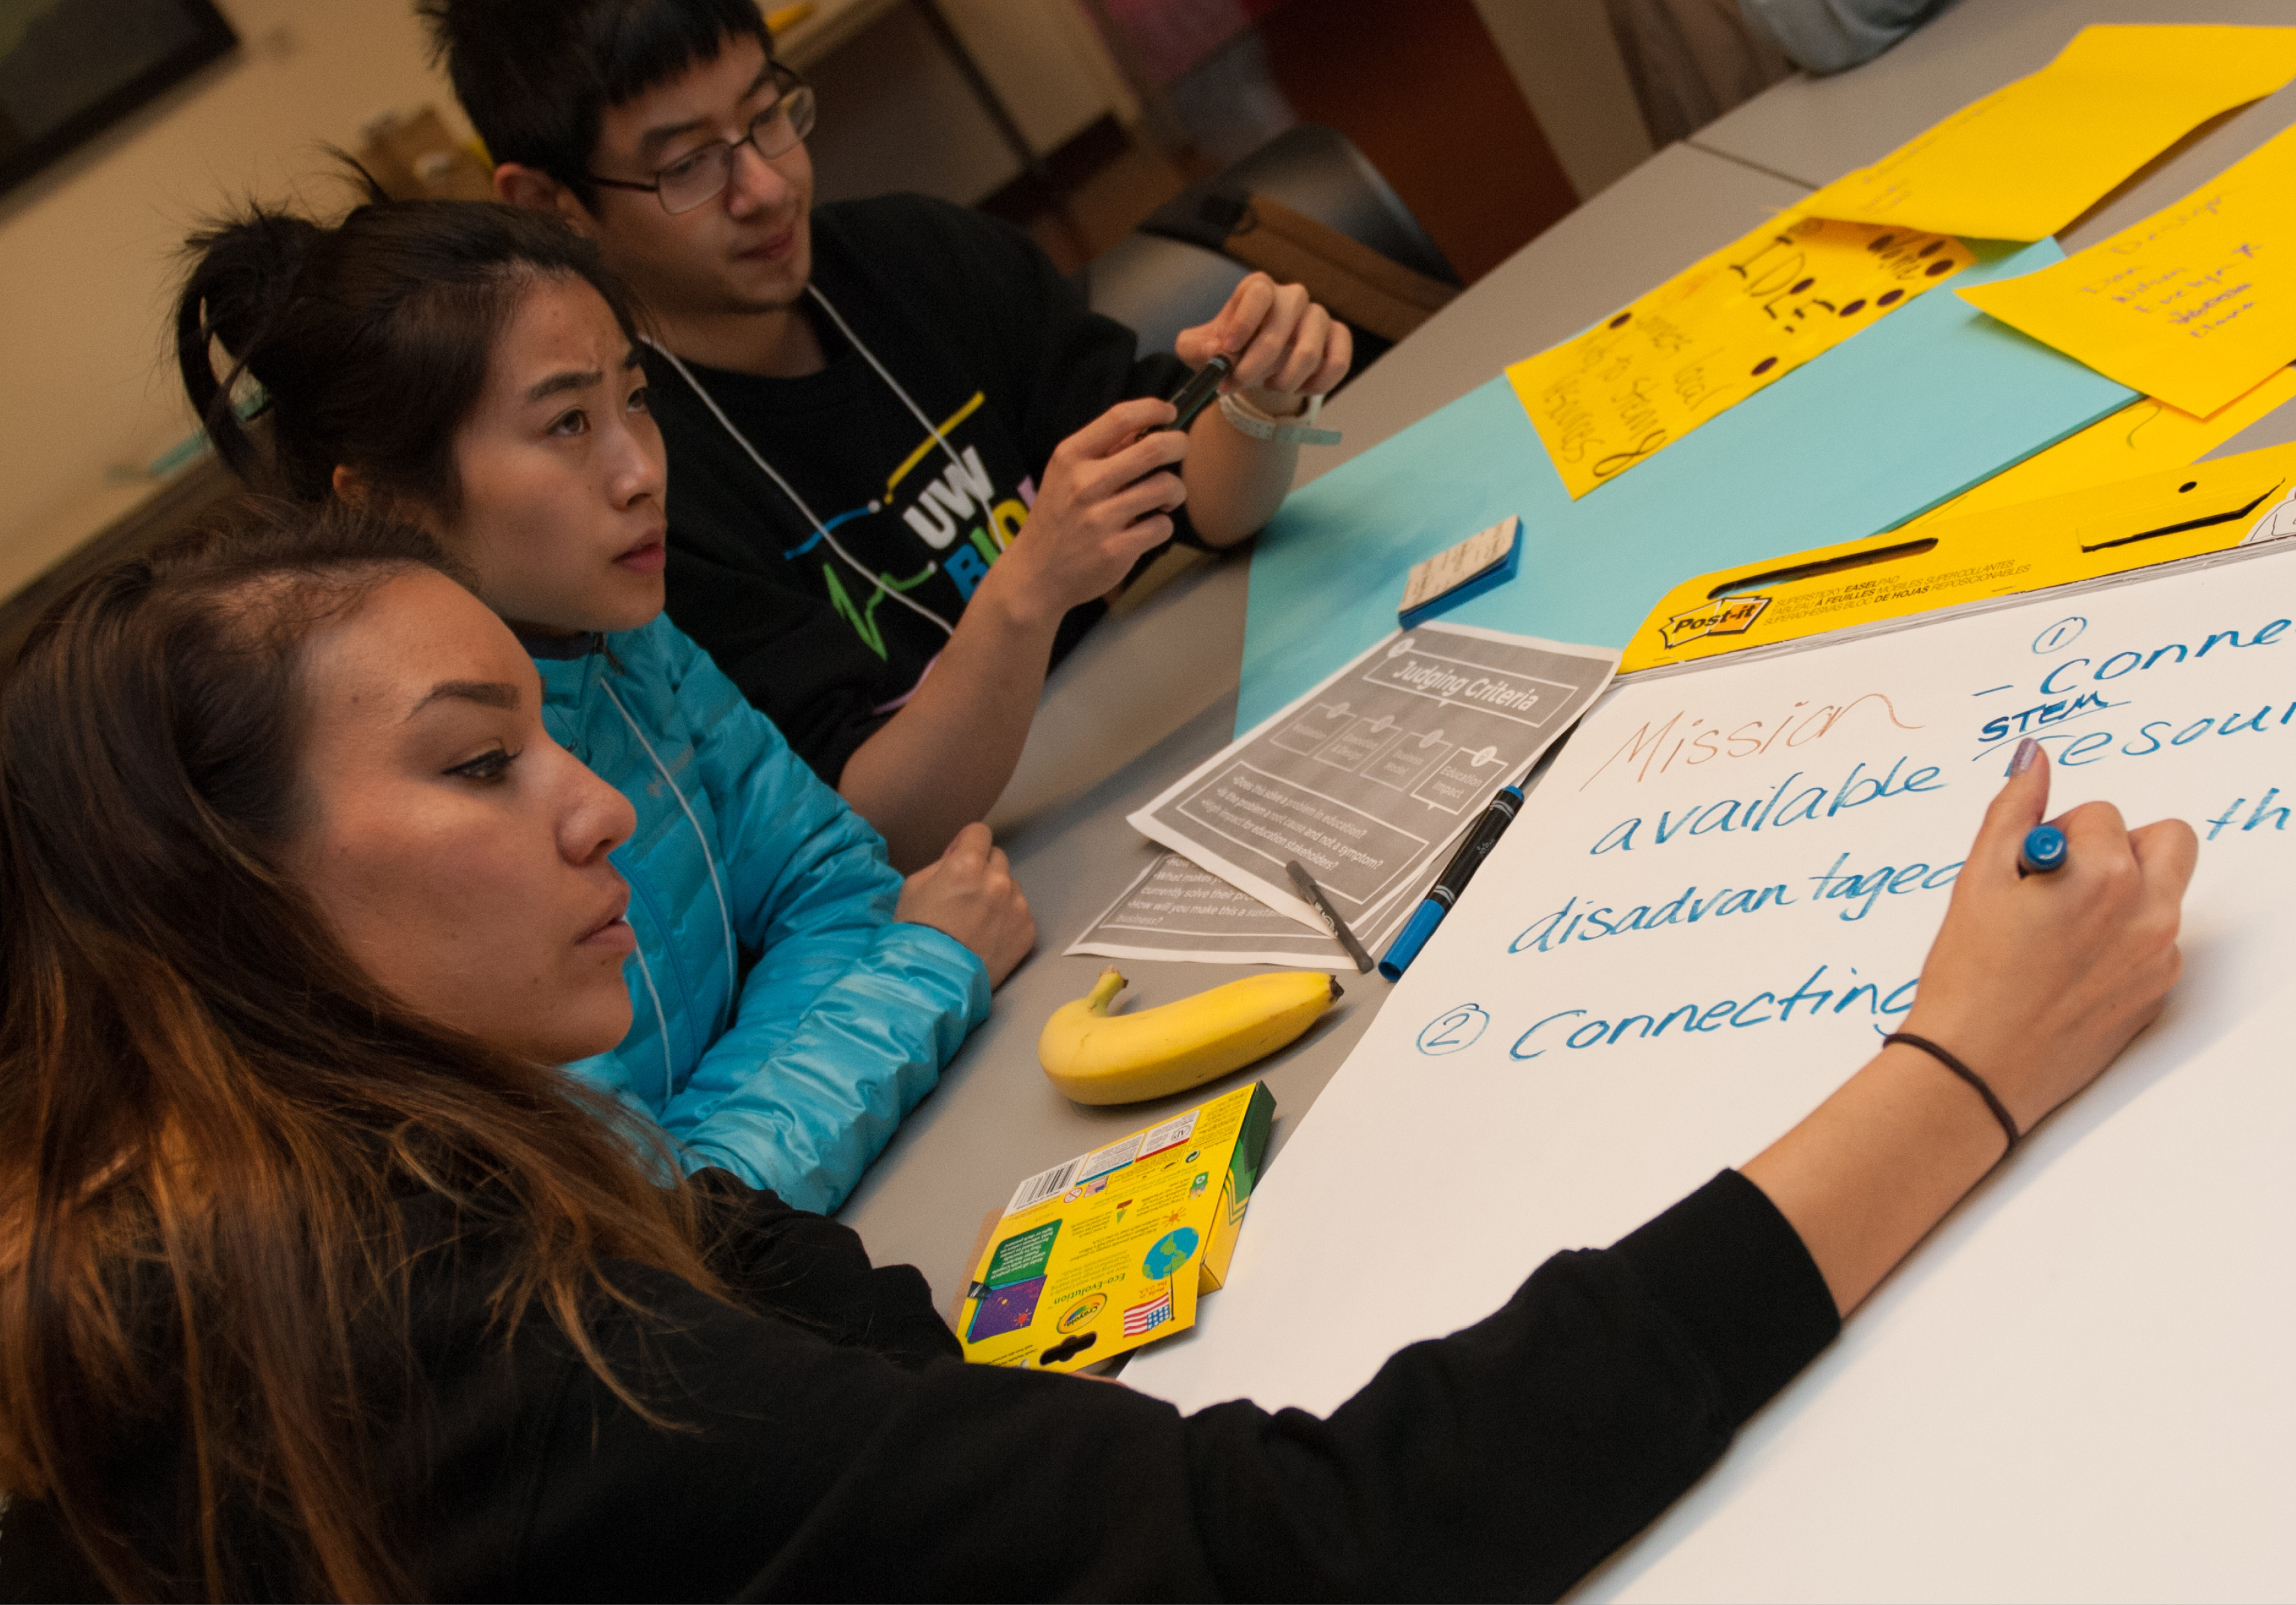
column 1097, row 1057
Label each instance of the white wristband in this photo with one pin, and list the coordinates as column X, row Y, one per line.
column 1248, row 420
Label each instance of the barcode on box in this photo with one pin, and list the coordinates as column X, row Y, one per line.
column 1099, row 1161
column 1038, row 1188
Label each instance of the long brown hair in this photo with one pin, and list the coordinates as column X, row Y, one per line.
column 207, row 1110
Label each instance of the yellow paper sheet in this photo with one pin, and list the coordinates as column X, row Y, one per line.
column 2142, row 437
column 2195, row 305
column 2034, row 155
column 1742, row 319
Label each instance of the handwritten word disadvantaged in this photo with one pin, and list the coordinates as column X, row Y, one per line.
column 1858, row 890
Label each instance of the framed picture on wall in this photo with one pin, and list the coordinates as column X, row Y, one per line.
column 70, row 68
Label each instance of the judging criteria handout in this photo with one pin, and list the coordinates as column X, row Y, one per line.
column 1178, row 910
column 1369, row 776
column 1711, row 908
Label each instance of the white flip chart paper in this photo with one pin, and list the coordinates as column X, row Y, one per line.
column 1708, row 912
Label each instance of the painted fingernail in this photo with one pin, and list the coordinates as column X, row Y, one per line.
column 2021, row 760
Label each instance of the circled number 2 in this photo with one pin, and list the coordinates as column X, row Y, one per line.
column 1453, row 1029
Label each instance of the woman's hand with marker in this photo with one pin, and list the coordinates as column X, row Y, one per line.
column 2038, row 980
column 2034, row 984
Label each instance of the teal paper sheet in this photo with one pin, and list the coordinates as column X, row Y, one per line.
column 1914, row 410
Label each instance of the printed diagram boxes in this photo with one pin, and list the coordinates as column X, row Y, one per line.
column 1359, row 743
column 1113, row 1248
column 1402, row 765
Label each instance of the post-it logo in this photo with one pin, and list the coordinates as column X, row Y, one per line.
column 1729, row 616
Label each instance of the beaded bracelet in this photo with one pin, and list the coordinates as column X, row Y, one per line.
column 2000, row 1110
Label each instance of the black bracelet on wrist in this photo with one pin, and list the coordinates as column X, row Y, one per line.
column 2000, row 1110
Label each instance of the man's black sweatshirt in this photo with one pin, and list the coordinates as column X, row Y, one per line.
column 920, row 453
column 828, row 1443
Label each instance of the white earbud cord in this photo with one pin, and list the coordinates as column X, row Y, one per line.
column 789, row 490
column 725, row 910
column 661, row 1022
column 916, row 411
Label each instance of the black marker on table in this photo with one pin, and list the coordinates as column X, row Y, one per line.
column 1199, row 391
column 1451, row 882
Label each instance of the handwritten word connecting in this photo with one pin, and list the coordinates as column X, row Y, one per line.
column 1592, row 1032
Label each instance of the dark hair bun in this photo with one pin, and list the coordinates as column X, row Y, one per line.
column 242, row 278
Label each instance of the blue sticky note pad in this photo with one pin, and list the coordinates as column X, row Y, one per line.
column 1491, row 578
column 1912, row 411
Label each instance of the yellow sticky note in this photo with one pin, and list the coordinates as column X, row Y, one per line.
column 1744, row 318
column 2142, row 437
column 2032, row 156
column 2194, row 305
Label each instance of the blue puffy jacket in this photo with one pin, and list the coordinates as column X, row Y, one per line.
column 846, row 1017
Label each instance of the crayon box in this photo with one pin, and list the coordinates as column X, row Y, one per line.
column 1111, row 1250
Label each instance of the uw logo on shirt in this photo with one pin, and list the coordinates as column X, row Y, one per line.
column 1728, row 615
column 961, row 494
column 956, row 512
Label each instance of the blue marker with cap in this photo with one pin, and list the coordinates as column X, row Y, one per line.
column 2044, row 850
column 1451, row 882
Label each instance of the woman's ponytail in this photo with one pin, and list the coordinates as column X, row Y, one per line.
column 242, row 279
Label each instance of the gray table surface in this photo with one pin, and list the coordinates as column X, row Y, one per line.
column 1813, row 130
column 1150, row 695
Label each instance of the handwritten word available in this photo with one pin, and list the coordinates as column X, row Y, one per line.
column 1762, row 1009
column 1776, row 810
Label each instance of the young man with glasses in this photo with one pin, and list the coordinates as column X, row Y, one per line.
column 907, row 462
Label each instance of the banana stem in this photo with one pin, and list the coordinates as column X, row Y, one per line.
column 1104, row 990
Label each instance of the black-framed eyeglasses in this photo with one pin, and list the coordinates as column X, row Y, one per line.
column 701, row 175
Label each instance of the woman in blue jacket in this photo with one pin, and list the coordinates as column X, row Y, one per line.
column 471, row 368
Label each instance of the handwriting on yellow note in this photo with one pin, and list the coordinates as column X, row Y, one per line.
column 2032, row 156
column 1738, row 321
column 2195, row 305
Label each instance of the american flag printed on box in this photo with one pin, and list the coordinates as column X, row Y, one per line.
column 1147, row 1317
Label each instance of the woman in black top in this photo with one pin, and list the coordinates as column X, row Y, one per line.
column 315, row 1280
